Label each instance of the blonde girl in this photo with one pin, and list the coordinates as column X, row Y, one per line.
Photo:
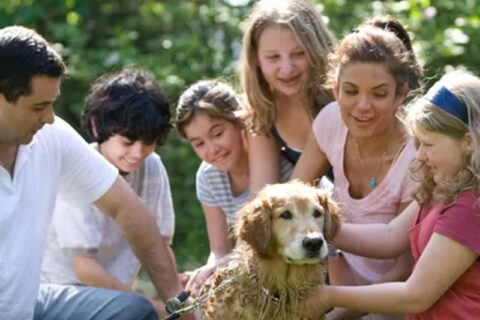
column 283, row 64
column 442, row 227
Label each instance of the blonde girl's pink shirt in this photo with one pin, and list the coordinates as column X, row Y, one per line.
column 379, row 206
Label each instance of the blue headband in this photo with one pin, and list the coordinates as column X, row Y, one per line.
column 447, row 101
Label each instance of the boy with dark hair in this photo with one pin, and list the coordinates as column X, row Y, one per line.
column 41, row 155
column 127, row 115
column 128, row 103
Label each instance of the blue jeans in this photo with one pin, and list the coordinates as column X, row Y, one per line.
column 59, row 302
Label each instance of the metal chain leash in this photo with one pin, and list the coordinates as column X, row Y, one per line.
column 174, row 305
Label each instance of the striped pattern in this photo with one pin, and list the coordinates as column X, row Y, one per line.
column 214, row 189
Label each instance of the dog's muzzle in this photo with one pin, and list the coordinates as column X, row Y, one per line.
column 308, row 249
column 312, row 246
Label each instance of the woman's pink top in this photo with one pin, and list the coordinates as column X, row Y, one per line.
column 381, row 205
column 459, row 221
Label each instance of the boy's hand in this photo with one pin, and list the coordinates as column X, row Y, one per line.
column 198, row 278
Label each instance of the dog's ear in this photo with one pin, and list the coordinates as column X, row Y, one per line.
column 254, row 225
column 332, row 215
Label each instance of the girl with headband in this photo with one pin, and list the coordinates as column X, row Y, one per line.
column 442, row 227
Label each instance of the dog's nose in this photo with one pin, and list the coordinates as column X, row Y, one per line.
column 312, row 244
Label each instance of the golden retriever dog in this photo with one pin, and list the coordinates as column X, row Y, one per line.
column 280, row 255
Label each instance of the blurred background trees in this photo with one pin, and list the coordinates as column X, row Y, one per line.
column 182, row 41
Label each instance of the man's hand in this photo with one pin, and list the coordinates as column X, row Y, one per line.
column 162, row 313
column 192, row 315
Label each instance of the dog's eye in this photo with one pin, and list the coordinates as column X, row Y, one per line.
column 287, row 215
column 317, row 213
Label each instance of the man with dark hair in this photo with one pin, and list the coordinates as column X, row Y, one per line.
column 41, row 155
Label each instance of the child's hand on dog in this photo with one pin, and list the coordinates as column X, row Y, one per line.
column 318, row 303
column 196, row 278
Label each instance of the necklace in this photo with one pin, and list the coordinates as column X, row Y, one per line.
column 373, row 181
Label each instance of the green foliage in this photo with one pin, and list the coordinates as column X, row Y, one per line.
column 182, row 41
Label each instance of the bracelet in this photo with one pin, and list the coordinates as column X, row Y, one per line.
column 334, row 252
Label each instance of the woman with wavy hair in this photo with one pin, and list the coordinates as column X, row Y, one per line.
column 362, row 138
